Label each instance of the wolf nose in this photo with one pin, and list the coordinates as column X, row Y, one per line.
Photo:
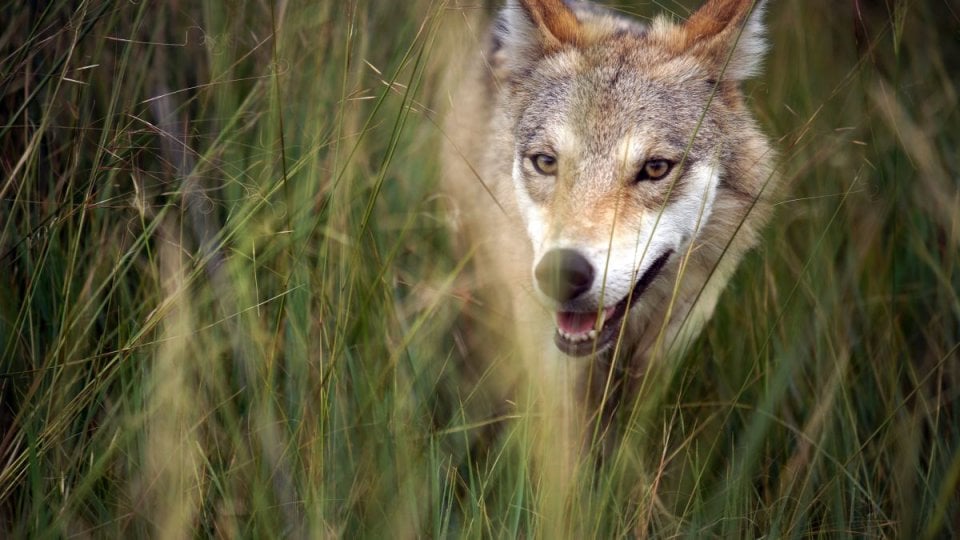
column 564, row 274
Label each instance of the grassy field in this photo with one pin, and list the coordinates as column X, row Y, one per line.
column 229, row 294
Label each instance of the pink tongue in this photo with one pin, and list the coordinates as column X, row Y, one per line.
column 579, row 323
column 575, row 323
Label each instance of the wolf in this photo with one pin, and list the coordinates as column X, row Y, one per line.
column 608, row 177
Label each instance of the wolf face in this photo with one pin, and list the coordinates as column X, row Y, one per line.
column 623, row 138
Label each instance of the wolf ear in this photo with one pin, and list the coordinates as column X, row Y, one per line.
column 723, row 29
column 527, row 30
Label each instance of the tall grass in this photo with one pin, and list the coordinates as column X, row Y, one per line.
column 230, row 299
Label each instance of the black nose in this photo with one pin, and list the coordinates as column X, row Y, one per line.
column 564, row 274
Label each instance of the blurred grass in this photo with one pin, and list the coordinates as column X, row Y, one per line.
column 229, row 299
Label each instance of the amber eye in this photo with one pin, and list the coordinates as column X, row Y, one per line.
column 654, row 169
column 544, row 164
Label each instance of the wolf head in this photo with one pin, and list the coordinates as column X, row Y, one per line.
column 623, row 136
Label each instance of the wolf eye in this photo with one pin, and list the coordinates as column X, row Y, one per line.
column 654, row 169
column 544, row 164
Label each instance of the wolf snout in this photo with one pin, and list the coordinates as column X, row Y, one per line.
column 564, row 274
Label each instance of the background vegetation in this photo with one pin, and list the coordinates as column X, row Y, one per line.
column 229, row 301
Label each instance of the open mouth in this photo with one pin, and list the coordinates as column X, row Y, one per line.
column 587, row 332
